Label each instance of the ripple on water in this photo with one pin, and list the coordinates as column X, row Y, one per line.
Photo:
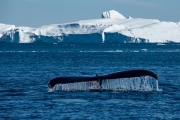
column 26, row 71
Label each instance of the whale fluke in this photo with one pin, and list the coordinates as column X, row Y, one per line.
column 123, row 74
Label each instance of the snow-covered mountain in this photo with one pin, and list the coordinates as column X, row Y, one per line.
column 113, row 27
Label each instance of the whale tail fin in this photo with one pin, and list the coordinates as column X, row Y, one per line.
column 131, row 74
column 125, row 80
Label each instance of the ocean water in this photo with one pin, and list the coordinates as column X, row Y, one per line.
column 27, row 68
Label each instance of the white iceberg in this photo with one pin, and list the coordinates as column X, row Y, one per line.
column 112, row 14
column 113, row 27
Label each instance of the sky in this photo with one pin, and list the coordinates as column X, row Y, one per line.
column 36, row 13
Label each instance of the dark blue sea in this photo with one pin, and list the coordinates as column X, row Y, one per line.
column 26, row 69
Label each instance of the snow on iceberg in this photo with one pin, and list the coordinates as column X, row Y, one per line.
column 112, row 14
column 113, row 27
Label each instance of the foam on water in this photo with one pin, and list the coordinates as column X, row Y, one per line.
column 160, row 44
column 92, row 51
column 133, row 51
column 24, row 51
column 123, row 84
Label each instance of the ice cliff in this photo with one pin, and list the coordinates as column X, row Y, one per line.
column 113, row 27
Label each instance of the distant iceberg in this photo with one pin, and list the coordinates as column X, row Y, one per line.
column 113, row 27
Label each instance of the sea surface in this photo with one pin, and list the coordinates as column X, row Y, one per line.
column 25, row 70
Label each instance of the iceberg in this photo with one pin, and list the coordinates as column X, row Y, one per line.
column 113, row 27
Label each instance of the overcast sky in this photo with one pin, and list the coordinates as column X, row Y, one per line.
column 35, row 13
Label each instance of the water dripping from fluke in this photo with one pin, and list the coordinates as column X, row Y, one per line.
column 133, row 80
column 122, row 84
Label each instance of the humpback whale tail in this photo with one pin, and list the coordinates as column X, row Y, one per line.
column 118, row 77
